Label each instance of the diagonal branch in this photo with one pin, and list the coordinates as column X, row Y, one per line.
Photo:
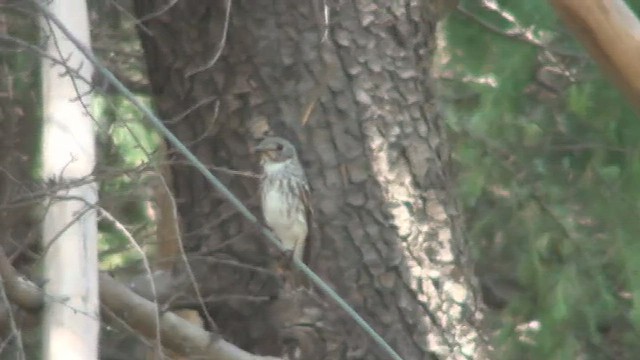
column 140, row 314
column 162, row 129
column 177, row 334
column 611, row 33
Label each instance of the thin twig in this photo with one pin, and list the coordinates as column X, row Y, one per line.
column 158, row 12
column 232, row 263
column 145, row 261
column 75, row 219
column 12, row 321
column 182, row 336
column 38, row 51
column 136, row 21
column 158, row 124
column 517, row 33
column 213, row 300
column 52, row 37
column 221, row 45
column 221, row 169
column 183, row 255
column 191, row 109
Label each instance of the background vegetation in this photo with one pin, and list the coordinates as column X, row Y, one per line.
column 547, row 160
column 548, row 171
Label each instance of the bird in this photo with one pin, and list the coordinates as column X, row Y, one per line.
column 285, row 195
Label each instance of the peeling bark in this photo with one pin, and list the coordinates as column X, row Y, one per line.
column 374, row 149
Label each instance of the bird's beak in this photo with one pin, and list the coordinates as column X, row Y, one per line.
column 260, row 148
column 264, row 152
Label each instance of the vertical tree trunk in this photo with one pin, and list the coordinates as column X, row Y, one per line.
column 70, row 226
column 374, row 150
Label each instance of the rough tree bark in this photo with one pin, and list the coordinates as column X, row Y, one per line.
column 375, row 152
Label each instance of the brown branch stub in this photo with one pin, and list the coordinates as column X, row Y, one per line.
column 610, row 32
column 166, row 216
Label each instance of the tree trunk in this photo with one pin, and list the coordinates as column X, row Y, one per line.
column 374, row 150
column 70, row 229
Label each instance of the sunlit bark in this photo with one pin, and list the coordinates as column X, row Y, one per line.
column 69, row 238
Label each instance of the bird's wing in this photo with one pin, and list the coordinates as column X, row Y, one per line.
column 309, row 217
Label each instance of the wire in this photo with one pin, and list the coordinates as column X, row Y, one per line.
column 157, row 123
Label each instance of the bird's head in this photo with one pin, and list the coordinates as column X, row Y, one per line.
column 275, row 150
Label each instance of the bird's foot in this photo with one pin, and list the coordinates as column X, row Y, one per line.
column 286, row 259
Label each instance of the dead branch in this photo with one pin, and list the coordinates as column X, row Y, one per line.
column 19, row 290
column 178, row 334
column 610, row 31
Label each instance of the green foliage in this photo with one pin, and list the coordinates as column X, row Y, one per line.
column 127, row 145
column 548, row 159
column 19, row 76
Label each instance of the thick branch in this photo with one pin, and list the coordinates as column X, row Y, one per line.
column 19, row 290
column 178, row 334
column 611, row 33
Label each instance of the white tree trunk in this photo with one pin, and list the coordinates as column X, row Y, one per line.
column 71, row 320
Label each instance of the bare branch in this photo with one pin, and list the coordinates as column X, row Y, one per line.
column 40, row 52
column 138, row 313
column 12, row 321
column 170, row 210
column 221, row 45
column 19, row 290
column 517, row 32
column 178, row 334
column 158, row 12
column 610, row 31
column 123, row 230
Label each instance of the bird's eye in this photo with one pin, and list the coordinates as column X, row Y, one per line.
column 279, row 147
